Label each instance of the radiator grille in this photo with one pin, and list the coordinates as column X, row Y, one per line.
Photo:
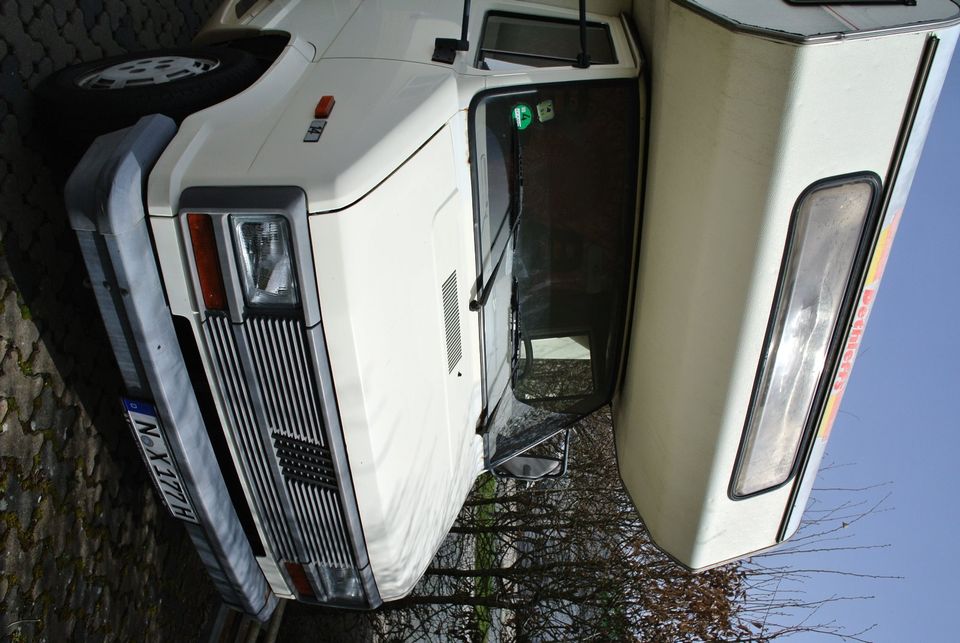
column 451, row 318
column 253, row 451
column 270, row 392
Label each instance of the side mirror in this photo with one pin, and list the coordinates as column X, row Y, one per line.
column 532, row 468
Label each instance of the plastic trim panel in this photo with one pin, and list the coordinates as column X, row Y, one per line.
column 104, row 198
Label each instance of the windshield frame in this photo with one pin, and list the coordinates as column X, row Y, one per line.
column 485, row 252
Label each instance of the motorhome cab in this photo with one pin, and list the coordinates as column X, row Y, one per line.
column 360, row 266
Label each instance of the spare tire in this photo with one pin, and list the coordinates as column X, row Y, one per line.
column 85, row 100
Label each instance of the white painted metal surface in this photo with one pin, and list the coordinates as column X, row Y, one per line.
column 408, row 422
column 828, row 20
column 398, row 221
column 741, row 125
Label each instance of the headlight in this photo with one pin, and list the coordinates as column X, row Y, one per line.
column 814, row 286
column 263, row 254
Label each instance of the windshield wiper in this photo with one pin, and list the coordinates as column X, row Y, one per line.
column 515, row 332
column 516, row 210
column 583, row 58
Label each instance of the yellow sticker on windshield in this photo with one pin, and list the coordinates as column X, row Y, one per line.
column 545, row 111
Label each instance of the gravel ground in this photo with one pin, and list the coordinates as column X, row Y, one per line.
column 88, row 553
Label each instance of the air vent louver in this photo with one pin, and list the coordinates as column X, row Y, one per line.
column 451, row 317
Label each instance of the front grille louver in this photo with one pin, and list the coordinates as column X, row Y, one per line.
column 269, row 391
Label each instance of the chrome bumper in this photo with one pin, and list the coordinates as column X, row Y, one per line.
column 104, row 198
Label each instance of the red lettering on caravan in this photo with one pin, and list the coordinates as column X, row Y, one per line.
column 853, row 341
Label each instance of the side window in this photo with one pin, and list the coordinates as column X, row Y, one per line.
column 512, row 41
column 830, row 235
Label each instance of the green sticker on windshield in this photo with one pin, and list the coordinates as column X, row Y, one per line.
column 522, row 115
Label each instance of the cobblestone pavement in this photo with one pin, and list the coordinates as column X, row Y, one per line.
column 88, row 554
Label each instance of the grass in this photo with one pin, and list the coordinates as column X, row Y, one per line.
column 484, row 554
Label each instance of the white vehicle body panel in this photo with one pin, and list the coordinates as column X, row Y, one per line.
column 221, row 141
column 750, row 123
column 826, row 21
column 408, row 421
column 741, row 125
column 385, row 110
column 389, row 191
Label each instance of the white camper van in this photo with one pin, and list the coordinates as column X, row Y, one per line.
column 348, row 260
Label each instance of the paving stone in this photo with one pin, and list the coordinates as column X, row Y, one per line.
column 80, row 520
column 45, row 411
column 21, row 505
column 14, row 562
column 16, row 445
column 21, row 335
column 77, row 593
column 41, row 363
column 43, row 521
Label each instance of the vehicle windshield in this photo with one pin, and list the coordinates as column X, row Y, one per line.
column 556, row 206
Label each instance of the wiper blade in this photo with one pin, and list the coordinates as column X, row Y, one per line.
column 515, row 331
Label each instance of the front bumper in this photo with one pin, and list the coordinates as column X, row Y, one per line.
column 104, row 198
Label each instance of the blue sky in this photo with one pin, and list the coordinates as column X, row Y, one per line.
column 900, row 419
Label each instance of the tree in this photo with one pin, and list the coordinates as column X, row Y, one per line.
column 570, row 560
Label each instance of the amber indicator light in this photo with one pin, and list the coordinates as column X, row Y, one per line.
column 300, row 580
column 324, row 107
column 208, row 264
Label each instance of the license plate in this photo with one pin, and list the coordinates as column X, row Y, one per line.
column 143, row 420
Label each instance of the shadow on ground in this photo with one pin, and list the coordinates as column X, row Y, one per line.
column 88, row 552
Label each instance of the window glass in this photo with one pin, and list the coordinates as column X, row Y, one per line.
column 510, row 41
column 828, row 233
column 557, row 197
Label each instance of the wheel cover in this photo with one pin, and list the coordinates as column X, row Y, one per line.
column 141, row 72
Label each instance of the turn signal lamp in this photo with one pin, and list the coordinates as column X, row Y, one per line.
column 208, row 263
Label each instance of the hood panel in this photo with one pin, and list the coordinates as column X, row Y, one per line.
column 385, row 111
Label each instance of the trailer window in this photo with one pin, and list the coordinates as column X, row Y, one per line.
column 830, row 234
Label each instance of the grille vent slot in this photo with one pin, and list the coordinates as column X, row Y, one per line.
column 308, row 463
column 451, row 318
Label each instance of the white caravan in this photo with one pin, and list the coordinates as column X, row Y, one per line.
column 348, row 261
